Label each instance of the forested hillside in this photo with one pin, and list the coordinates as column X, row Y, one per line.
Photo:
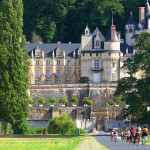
column 65, row 20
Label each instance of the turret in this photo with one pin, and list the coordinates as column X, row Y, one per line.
column 130, row 29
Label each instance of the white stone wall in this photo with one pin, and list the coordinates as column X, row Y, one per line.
column 86, row 42
column 111, row 45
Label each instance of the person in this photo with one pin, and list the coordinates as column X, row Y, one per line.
column 112, row 135
column 128, row 135
column 144, row 133
column 138, row 131
column 132, row 134
column 115, row 135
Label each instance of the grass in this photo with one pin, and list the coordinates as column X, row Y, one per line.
column 39, row 143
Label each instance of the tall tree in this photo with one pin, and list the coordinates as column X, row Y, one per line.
column 136, row 92
column 14, row 65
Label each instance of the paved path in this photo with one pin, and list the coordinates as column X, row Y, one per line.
column 104, row 139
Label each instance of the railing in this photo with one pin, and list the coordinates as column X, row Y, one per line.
column 97, row 69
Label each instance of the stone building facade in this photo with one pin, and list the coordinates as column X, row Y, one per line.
column 96, row 57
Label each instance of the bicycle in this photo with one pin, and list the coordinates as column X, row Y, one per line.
column 137, row 140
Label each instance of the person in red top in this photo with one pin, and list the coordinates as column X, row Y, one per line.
column 132, row 134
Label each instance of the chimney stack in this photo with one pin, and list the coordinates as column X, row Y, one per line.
column 141, row 14
column 113, row 32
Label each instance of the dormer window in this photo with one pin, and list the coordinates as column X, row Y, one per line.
column 97, row 41
column 130, row 30
column 37, row 52
column 87, row 32
column 58, row 51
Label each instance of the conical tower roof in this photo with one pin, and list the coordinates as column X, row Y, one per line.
column 147, row 9
column 131, row 19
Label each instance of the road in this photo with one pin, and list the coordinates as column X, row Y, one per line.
column 104, row 139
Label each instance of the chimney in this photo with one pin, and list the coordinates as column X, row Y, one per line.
column 113, row 32
column 141, row 14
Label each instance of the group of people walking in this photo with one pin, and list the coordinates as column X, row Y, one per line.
column 132, row 135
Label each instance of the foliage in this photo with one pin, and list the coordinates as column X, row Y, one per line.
column 118, row 99
column 41, row 100
column 36, row 130
column 63, row 100
column 107, row 104
column 84, row 79
column 35, row 38
column 14, row 103
column 52, row 101
column 136, row 92
column 90, row 103
column 111, row 102
column 31, row 101
column 63, row 122
column 74, row 99
column 87, row 101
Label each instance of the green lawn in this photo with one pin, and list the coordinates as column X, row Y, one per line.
column 39, row 144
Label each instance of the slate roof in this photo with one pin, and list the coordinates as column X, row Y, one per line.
column 49, row 47
column 100, row 34
column 131, row 19
column 147, row 9
column 146, row 22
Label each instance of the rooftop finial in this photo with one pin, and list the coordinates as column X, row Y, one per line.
column 112, row 19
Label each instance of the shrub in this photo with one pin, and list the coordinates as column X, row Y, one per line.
column 63, row 100
column 41, row 100
column 31, row 101
column 52, row 101
column 118, row 99
column 63, row 122
column 74, row 99
column 90, row 103
column 84, row 79
column 111, row 102
column 107, row 104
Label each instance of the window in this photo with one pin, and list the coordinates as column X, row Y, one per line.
column 58, row 81
column 58, row 73
column 37, row 73
column 90, row 54
column 127, row 75
column 69, row 82
column 113, row 77
column 87, row 32
column 126, row 31
column 47, row 81
column 139, row 76
column 47, row 73
column 37, row 62
column 68, row 73
column 47, row 63
column 37, row 82
column 96, row 54
column 58, row 62
column 109, row 54
column 96, row 64
column 68, row 62
column 113, row 64
column 83, row 54
column 37, row 53
column 97, row 43
column 58, row 53
column 130, row 30
column 79, row 62
column 79, row 73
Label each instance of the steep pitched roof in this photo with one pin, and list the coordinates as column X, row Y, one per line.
column 131, row 19
column 146, row 22
column 98, row 31
column 147, row 9
column 49, row 47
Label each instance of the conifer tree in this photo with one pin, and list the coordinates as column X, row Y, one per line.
column 14, row 65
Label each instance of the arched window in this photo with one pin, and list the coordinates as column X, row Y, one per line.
column 130, row 30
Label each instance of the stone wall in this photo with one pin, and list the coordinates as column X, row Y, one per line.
column 98, row 93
